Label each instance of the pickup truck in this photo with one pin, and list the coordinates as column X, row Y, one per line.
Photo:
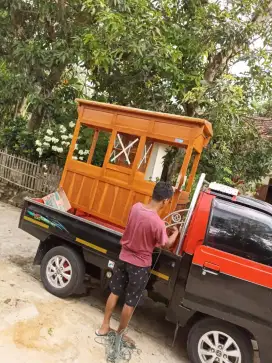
column 216, row 282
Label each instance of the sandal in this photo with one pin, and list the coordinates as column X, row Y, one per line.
column 102, row 335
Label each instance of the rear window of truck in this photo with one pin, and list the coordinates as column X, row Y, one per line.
column 241, row 231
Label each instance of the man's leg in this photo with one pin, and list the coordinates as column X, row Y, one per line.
column 125, row 318
column 118, row 284
column 110, row 306
column 138, row 277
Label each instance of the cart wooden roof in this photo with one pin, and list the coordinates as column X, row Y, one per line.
column 146, row 114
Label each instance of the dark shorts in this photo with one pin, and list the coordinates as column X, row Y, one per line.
column 130, row 280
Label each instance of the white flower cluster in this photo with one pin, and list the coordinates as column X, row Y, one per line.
column 83, row 152
column 57, row 149
column 39, row 151
column 57, row 140
column 62, row 129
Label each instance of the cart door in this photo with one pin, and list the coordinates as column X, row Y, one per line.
column 232, row 272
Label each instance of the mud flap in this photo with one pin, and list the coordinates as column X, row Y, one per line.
column 264, row 345
column 41, row 251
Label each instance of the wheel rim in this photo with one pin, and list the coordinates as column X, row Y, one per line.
column 218, row 347
column 59, row 271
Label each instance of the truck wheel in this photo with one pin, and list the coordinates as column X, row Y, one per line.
column 211, row 340
column 62, row 271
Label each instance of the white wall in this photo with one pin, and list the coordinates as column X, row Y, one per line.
column 266, row 180
column 155, row 165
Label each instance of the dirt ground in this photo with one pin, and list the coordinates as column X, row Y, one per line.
column 38, row 327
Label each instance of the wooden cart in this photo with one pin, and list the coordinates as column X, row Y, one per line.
column 136, row 144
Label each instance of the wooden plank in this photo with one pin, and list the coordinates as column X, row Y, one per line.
column 138, row 156
column 93, row 146
column 32, row 175
column 183, row 172
column 193, row 173
column 73, row 144
column 185, row 164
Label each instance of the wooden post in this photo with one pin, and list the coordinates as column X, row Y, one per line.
column 109, row 150
column 93, row 146
column 185, row 164
column 73, row 143
column 138, row 156
column 193, row 173
column 183, row 172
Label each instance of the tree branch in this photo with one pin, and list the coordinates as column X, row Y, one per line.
column 219, row 62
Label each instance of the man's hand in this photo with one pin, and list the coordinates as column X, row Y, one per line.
column 173, row 237
column 173, row 229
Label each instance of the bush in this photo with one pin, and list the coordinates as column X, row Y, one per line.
column 15, row 138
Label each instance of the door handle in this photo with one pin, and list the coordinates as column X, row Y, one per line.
column 210, row 268
column 206, row 271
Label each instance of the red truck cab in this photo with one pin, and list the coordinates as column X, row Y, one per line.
column 217, row 281
column 228, row 248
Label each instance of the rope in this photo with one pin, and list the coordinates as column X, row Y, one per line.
column 118, row 349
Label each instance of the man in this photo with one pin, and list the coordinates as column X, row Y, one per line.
column 145, row 231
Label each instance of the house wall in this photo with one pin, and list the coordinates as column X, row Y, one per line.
column 264, row 191
column 155, row 166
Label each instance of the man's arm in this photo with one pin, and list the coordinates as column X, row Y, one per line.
column 173, row 237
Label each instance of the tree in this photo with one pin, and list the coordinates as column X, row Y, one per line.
column 171, row 56
column 238, row 153
column 206, row 39
column 46, row 41
column 39, row 43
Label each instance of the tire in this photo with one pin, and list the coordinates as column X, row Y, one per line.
column 67, row 281
column 200, row 331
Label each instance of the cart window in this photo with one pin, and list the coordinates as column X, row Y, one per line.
column 124, row 150
column 161, row 161
column 146, row 155
column 92, row 145
column 241, row 231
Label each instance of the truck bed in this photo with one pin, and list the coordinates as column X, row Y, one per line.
column 99, row 221
column 100, row 243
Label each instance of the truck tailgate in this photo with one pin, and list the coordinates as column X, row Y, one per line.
column 42, row 221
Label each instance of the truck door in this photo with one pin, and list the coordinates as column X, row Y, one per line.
column 231, row 273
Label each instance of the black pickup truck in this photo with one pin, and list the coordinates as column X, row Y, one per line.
column 217, row 282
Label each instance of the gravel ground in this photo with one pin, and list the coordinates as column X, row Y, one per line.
column 38, row 327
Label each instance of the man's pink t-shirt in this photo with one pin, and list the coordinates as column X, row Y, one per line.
column 145, row 231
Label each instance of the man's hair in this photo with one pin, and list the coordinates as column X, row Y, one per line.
column 162, row 191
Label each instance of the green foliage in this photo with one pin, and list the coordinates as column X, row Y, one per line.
column 170, row 56
column 236, row 153
column 15, row 138
column 101, row 148
column 265, row 109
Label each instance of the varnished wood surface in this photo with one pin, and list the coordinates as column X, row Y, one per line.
column 108, row 192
